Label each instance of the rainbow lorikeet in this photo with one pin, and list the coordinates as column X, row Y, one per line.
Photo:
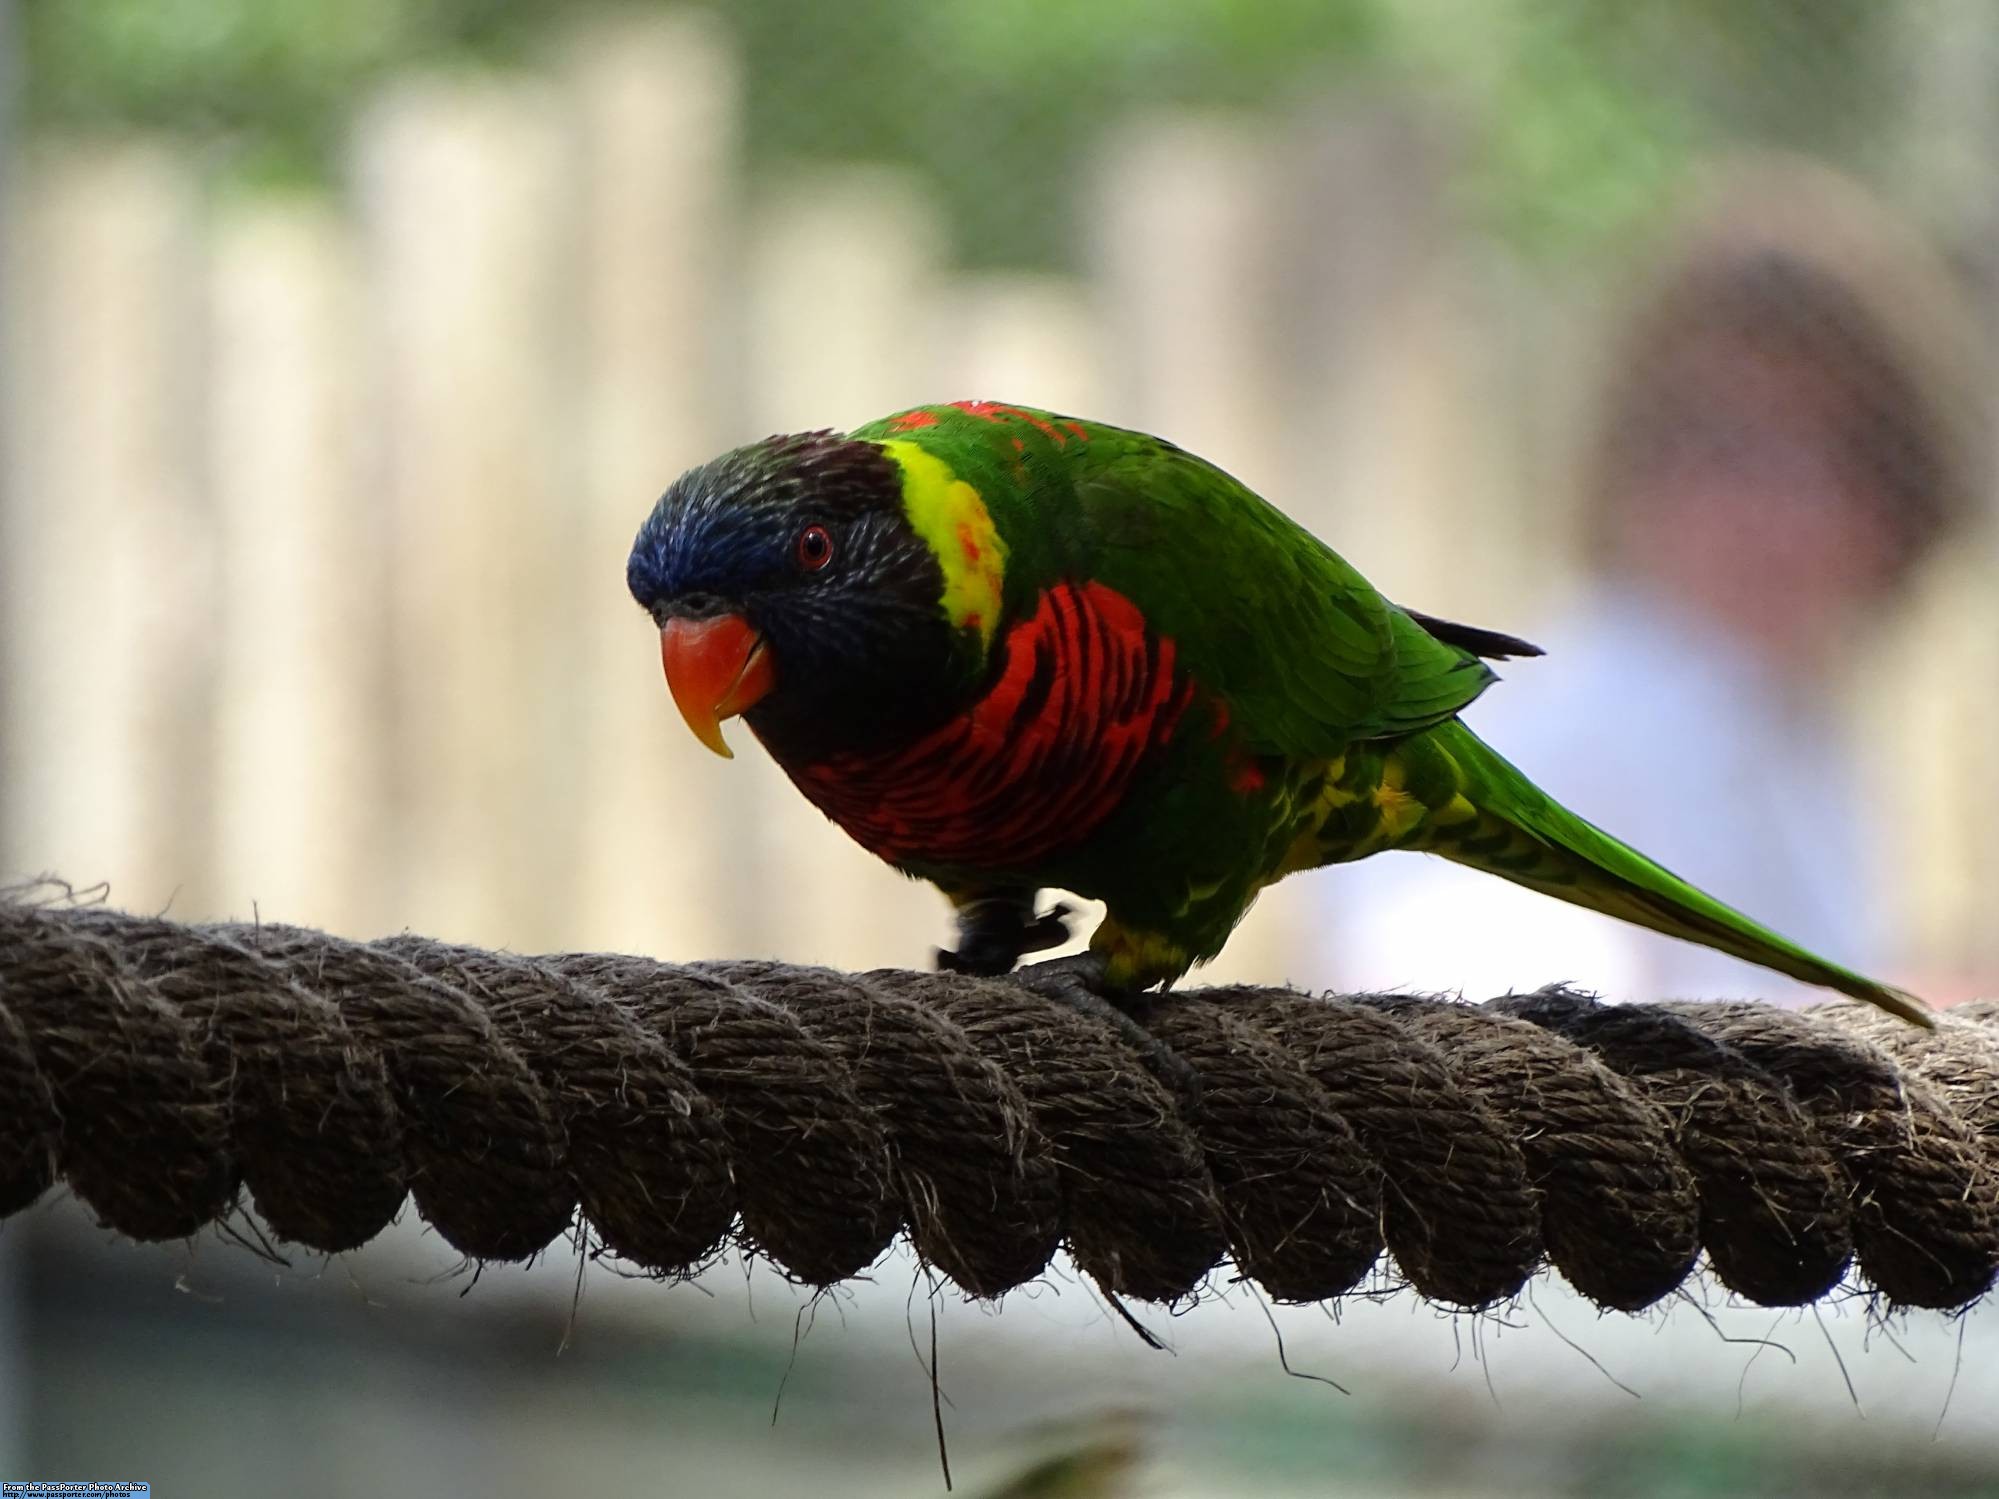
column 1007, row 650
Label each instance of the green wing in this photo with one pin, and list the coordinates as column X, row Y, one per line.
column 1308, row 654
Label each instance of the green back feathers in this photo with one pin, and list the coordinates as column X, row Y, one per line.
column 1320, row 661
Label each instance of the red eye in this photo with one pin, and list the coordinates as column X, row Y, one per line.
column 814, row 548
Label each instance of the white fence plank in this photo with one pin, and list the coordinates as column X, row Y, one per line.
column 300, row 712
column 106, row 628
column 843, row 323
column 1030, row 340
column 1180, row 240
column 464, row 211
column 657, row 866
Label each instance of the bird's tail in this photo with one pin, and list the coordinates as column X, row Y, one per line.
column 1523, row 835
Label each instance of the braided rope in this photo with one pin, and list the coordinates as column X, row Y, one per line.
column 163, row 1070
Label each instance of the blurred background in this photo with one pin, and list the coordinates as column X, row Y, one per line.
column 343, row 348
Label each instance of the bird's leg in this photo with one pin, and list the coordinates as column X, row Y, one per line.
column 1081, row 983
column 998, row 926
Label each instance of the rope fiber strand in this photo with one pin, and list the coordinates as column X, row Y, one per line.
column 163, row 1071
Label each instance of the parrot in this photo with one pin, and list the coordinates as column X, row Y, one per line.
column 1009, row 651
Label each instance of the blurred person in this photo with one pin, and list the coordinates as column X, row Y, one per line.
column 1778, row 450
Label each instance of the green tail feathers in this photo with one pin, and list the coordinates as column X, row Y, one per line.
column 1552, row 850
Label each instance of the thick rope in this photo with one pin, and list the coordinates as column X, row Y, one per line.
column 163, row 1071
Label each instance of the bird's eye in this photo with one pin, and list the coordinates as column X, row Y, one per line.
column 813, row 549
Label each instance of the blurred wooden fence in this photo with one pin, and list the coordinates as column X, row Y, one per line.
column 317, row 508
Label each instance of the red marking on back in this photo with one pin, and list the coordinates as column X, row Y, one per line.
column 1081, row 432
column 1085, row 697
column 998, row 411
column 967, row 543
column 1045, row 427
column 1245, row 778
column 909, row 421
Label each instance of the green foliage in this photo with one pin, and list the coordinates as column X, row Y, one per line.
column 998, row 102
column 1575, row 112
column 270, row 81
column 1584, row 111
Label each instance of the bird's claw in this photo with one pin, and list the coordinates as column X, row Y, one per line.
column 997, row 932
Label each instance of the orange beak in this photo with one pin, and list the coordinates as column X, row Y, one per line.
column 715, row 668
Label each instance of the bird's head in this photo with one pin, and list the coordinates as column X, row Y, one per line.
column 815, row 583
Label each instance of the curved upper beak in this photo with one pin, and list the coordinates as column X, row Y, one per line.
column 715, row 668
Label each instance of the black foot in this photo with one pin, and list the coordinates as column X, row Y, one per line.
column 1079, row 983
column 996, row 931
